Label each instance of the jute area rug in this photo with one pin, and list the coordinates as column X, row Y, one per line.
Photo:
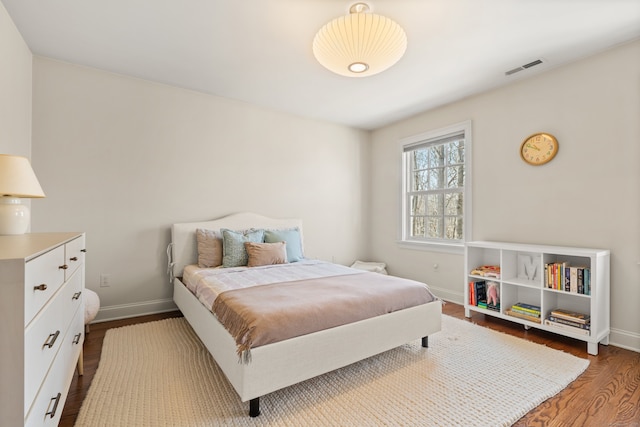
column 159, row 374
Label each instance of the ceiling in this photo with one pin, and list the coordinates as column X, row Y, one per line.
column 259, row 51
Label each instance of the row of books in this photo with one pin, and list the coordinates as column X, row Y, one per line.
column 478, row 296
column 528, row 312
column 563, row 277
column 571, row 321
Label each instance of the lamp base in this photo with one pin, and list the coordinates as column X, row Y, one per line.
column 14, row 216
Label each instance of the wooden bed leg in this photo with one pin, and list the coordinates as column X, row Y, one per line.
column 425, row 342
column 254, row 407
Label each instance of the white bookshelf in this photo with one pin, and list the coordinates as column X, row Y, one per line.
column 518, row 283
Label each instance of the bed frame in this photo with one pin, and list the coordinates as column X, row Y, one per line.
column 279, row 365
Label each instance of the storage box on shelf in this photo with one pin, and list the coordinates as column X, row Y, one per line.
column 533, row 281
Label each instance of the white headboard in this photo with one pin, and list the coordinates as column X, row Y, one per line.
column 184, row 250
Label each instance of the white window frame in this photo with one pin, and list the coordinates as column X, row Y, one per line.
column 438, row 245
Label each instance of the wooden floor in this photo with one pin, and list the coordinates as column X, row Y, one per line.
column 607, row 394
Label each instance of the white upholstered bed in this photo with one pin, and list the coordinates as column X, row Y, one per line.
column 281, row 364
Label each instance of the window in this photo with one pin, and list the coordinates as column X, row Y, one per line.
column 436, row 189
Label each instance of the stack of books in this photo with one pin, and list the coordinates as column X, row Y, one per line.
column 570, row 321
column 485, row 305
column 525, row 311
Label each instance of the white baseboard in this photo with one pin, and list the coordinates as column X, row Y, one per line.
column 617, row 337
column 447, row 295
column 625, row 339
column 124, row 311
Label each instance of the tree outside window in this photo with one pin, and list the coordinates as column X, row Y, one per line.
column 435, row 188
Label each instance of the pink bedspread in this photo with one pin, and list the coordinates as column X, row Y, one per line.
column 270, row 313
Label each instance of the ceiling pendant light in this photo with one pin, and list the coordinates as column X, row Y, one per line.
column 359, row 44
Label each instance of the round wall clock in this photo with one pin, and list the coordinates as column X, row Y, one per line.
column 539, row 149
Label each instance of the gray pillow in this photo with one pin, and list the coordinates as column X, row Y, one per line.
column 233, row 250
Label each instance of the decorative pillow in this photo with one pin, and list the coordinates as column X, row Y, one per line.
column 291, row 237
column 234, row 254
column 266, row 253
column 209, row 248
column 376, row 267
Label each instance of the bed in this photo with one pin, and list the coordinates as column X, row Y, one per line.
column 280, row 364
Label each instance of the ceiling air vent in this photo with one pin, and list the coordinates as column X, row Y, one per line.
column 524, row 67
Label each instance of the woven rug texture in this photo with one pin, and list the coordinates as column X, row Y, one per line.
column 160, row 374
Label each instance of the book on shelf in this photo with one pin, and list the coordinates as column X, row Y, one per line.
column 573, row 282
column 566, row 328
column 472, row 293
column 519, row 315
column 580, row 280
column 587, row 281
column 526, row 308
column 481, row 291
column 571, row 315
column 569, row 322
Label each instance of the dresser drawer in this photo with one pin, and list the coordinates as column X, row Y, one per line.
column 74, row 256
column 43, row 277
column 49, row 403
column 44, row 336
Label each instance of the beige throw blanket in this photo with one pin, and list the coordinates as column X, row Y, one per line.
column 270, row 313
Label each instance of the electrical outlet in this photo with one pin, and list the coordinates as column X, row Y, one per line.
column 105, row 280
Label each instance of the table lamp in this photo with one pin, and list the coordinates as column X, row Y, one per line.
column 17, row 181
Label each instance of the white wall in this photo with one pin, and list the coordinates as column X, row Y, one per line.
column 122, row 159
column 15, row 89
column 587, row 196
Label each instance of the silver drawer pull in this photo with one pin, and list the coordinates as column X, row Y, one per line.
column 51, row 340
column 76, row 295
column 76, row 338
column 42, row 287
column 63, row 267
column 52, row 412
column 73, row 258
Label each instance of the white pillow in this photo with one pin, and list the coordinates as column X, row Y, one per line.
column 376, row 267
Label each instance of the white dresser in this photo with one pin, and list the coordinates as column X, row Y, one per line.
column 41, row 324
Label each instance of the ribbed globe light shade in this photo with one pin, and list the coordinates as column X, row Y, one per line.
column 360, row 44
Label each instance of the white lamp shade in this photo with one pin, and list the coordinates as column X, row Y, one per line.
column 359, row 44
column 17, row 178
